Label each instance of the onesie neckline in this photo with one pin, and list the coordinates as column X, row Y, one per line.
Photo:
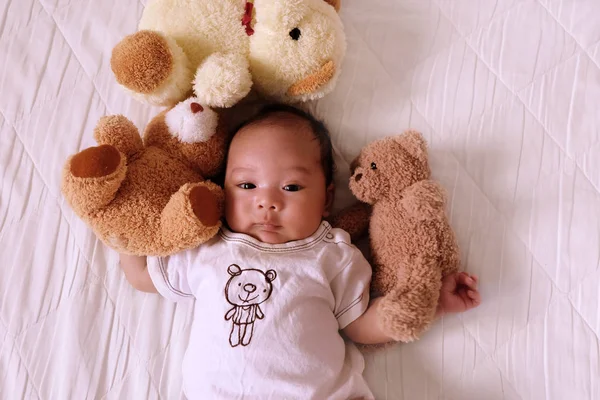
column 292, row 246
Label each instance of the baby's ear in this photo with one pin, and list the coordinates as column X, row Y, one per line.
column 234, row 270
column 330, row 197
column 271, row 275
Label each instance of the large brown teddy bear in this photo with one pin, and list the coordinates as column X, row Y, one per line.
column 150, row 197
column 412, row 245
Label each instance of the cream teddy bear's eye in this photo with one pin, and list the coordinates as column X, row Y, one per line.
column 295, row 33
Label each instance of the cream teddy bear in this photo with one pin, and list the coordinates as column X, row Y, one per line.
column 288, row 50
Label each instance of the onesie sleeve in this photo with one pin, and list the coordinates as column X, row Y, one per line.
column 170, row 275
column 351, row 288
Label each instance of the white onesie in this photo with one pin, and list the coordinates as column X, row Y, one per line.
column 267, row 317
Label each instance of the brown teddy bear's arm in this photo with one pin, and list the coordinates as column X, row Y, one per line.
column 424, row 200
column 353, row 219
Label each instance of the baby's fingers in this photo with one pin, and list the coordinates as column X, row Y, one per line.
column 467, row 280
column 475, row 297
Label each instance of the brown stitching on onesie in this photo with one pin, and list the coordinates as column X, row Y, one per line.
column 345, row 310
column 245, row 291
column 276, row 250
column 169, row 285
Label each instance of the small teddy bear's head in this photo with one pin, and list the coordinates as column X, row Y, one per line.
column 247, row 287
column 297, row 48
column 388, row 166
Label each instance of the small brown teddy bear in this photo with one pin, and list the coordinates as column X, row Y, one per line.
column 151, row 197
column 411, row 242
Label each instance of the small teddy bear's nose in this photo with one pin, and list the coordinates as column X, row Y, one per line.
column 250, row 288
column 358, row 177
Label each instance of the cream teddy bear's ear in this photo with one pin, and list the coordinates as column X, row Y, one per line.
column 335, row 4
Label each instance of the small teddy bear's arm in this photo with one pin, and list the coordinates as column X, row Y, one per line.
column 259, row 313
column 354, row 220
column 424, row 200
column 229, row 314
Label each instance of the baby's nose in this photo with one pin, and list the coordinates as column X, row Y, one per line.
column 250, row 288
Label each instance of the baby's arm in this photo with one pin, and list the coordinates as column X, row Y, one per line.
column 136, row 272
column 458, row 293
column 365, row 329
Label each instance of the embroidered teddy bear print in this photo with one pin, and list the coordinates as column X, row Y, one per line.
column 245, row 291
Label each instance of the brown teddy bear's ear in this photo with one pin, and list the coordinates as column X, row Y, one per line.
column 414, row 143
column 335, row 4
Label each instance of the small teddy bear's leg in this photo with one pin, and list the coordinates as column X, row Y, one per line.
column 247, row 333
column 235, row 337
column 408, row 310
column 192, row 215
column 92, row 177
column 223, row 79
column 152, row 67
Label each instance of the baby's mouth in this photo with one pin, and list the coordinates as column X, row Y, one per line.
column 269, row 227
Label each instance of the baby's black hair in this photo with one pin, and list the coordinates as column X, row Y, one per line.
column 317, row 127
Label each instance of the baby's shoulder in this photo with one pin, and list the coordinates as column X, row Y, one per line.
column 338, row 245
column 339, row 238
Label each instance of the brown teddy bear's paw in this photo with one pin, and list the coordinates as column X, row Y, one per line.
column 153, row 66
column 191, row 217
column 92, row 177
column 95, row 162
column 205, row 205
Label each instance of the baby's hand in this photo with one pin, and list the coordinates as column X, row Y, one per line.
column 458, row 293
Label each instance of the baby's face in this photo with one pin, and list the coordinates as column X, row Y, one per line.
column 274, row 184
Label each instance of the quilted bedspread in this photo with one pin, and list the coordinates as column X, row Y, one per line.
column 507, row 94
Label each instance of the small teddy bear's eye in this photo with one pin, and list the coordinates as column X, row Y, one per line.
column 295, row 33
column 373, row 165
column 265, row 291
column 239, row 284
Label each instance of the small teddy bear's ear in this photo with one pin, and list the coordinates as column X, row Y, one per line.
column 335, row 4
column 414, row 143
column 271, row 275
column 234, row 270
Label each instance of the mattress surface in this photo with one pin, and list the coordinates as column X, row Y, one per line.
column 505, row 91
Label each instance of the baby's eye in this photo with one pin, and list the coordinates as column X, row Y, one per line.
column 247, row 186
column 291, row 188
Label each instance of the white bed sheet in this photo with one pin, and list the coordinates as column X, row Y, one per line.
column 507, row 93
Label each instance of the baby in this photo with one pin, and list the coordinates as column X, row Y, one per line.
column 277, row 287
